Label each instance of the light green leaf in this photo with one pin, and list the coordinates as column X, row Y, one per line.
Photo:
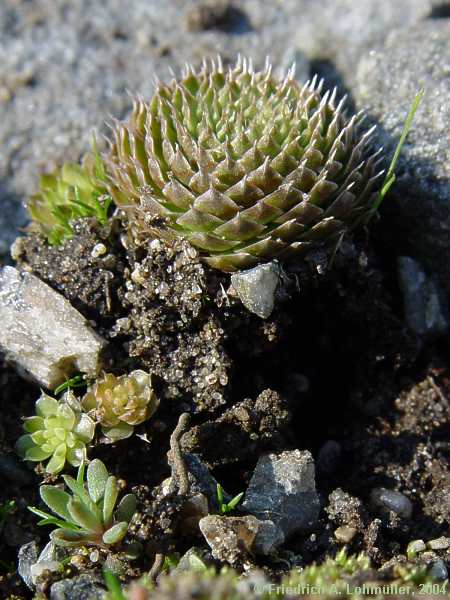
column 23, row 444
column 46, row 406
column 57, row 461
column 97, row 476
column 109, row 500
column 56, row 499
column 32, row 424
column 78, row 490
column 126, row 508
column 85, row 428
column 37, row 454
column 77, row 454
column 80, row 473
column 234, row 502
column 81, row 515
column 118, row 432
column 69, row 537
column 113, row 585
column 115, row 533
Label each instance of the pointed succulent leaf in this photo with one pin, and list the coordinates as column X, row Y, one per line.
column 234, row 502
column 82, row 516
column 80, row 492
column 109, row 499
column 115, row 533
column 97, row 476
column 126, row 508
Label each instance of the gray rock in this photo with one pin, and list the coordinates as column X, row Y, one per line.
column 283, row 490
column 441, row 543
column 230, row 538
column 387, row 81
column 393, row 501
column 424, row 313
column 82, row 587
column 268, row 538
column 256, row 288
column 336, row 34
column 42, row 332
column 31, row 565
column 202, row 482
column 439, row 570
column 27, row 557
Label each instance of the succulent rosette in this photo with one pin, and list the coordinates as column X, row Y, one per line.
column 59, row 431
column 120, row 403
column 71, row 192
column 247, row 168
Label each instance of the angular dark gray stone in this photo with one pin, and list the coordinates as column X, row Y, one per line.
column 82, row 587
column 42, row 332
column 283, row 490
column 418, row 208
column 422, row 300
column 256, row 288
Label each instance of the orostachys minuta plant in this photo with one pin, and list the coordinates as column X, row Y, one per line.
column 244, row 166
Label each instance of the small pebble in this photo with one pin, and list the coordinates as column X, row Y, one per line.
column 415, row 547
column 345, row 534
column 98, row 250
column 441, row 543
column 392, row 500
column 439, row 570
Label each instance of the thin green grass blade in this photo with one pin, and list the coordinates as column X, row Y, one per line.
column 390, row 175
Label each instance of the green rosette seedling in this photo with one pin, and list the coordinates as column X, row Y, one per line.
column 71, row 192
column 88, row 516
column 59, row 431
column 121, row 403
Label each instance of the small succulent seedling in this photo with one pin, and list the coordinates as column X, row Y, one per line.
column 71, row 192
column 59, row 431
column 89, row 516
column 246, row 167
column 120, row 403
column 227, row 507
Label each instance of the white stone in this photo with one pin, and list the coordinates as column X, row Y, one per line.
column 42, row 332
